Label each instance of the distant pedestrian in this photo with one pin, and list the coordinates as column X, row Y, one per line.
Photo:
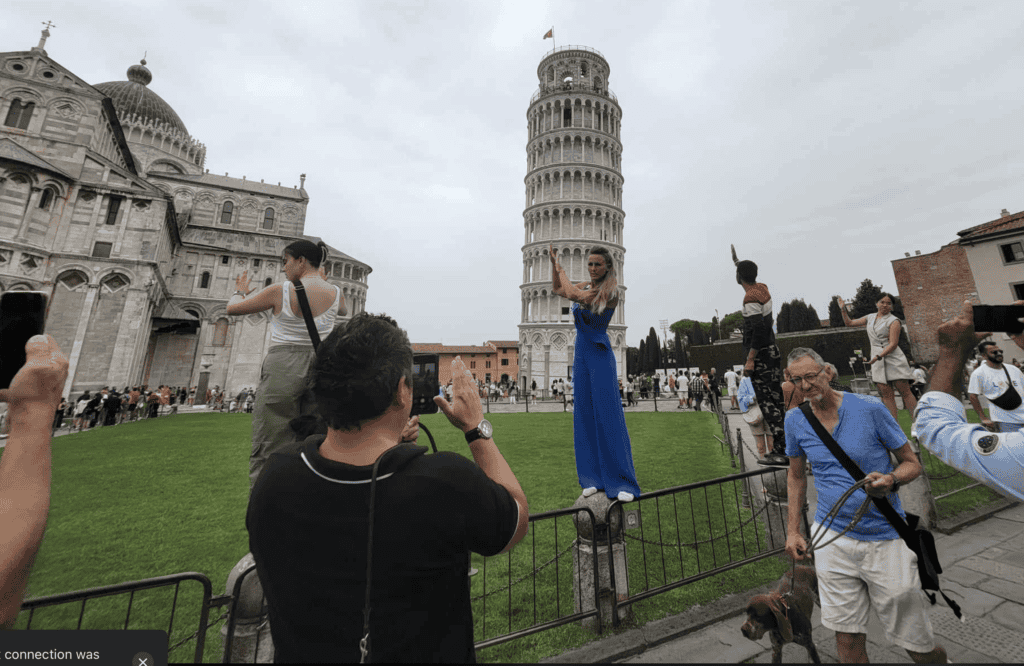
column 696, row 391
column 715, row 392
column 58, row 417
column 629, row 393
column 683, row 385
column 732, row 386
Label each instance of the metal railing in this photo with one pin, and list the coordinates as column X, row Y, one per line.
column 556, row 87
column 208, row 601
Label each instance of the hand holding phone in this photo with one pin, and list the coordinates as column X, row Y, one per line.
column 999, row 318
column 40, row 380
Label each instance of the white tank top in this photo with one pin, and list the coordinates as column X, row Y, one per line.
column 288, row 329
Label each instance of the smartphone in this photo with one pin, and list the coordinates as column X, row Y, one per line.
column 22, row 315
column 998, row 318
column 425, row 383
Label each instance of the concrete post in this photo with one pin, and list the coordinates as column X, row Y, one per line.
column 595, row 537
column 252, row 619
column 776, row 496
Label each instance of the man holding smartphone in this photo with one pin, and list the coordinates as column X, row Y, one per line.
column 33, row 396
column 997, row 460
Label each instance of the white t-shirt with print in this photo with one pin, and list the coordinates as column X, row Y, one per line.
column 731, row 379
column 991, row 383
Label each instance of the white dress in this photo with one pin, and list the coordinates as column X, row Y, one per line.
column 894, row 366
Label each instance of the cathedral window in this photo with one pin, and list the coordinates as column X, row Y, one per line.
column 112, row 210
column 256, row 263
column 101, row 249
column 225, row 215
column 72, row 280
column 45, row 199
column 268, row 219
column 204, row 281
column 19, row 114
column 225, row 259
column 267, row 282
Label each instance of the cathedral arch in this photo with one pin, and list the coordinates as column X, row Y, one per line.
column 220, row 332
column 21, row 286
column 73, row 279
column 226, row 211
column 164, row 165
column 114, row 282
column 126, row 273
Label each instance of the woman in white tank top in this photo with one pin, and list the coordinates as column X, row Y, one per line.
column 282, row 394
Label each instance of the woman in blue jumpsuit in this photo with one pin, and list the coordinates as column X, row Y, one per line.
column 604, row 458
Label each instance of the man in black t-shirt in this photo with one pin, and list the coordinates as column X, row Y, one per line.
column 308, row 515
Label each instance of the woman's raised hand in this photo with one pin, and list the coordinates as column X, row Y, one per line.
column 842, row 304
column 242, row 282
column 554, row 255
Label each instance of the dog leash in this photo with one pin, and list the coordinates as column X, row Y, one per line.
column 815, row 540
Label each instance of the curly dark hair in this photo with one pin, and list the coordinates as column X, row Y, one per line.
column 357, row 369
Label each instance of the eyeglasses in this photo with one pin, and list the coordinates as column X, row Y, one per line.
column 797, row 379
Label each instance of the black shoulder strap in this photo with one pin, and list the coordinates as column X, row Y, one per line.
column 882, row 503
column 905, row 530
column 307, row 314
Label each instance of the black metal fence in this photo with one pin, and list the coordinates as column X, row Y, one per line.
column 58, row 611
column 671, row 538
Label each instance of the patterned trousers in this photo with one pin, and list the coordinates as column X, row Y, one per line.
column 767, row 381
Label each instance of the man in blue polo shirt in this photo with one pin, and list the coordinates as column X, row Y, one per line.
column 869, row 567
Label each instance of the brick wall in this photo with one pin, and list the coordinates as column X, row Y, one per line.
column 932, row 288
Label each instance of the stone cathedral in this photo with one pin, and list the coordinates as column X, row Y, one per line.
column 573, row 201
column 106, row 206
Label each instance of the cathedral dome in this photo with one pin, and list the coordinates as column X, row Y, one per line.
column 132, row 98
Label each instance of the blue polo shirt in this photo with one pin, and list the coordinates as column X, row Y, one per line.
column 867, row 432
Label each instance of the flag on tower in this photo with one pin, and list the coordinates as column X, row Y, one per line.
column 550, row 34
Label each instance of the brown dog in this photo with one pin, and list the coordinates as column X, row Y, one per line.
column 786, row 613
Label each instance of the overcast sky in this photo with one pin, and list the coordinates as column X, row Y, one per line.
column 824, row 139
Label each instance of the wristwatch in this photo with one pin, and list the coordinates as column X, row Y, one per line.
column 895, row 483
column 484, row 430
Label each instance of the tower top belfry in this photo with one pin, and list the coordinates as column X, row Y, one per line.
column 573, row 203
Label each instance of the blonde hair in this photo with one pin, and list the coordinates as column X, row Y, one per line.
column 609, row 284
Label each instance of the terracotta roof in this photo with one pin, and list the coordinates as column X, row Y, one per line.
column 435, row 348
column 1005, row 223
column 504, row 343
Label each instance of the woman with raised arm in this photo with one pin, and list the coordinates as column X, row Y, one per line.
column 889, row 366
column 282, row 394
column 604, row 459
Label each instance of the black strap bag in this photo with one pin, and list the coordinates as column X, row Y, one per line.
column 306, row 426
column 1010, row 399
column 307, row 314
column 917, row 538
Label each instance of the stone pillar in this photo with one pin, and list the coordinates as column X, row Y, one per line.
column 204, row 381
column 595, row 537
column 252, row 622
column 127, row 336
column 775, row 494
column 547, row 370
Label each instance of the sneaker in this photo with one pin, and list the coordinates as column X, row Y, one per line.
column 774, row 460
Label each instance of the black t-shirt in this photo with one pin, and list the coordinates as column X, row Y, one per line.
column 308, row 524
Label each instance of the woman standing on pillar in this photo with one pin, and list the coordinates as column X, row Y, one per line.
column 604, row 459
column 282, row 394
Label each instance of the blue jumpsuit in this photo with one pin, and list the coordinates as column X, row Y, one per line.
column 604, row 459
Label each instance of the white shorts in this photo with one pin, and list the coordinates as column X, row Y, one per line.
column 854, row 576
column 733, row 391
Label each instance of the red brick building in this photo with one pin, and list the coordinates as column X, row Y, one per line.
column 495, row 360
column 984, row 265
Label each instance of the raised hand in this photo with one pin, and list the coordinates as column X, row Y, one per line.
column 735, row 259
column 242, row 282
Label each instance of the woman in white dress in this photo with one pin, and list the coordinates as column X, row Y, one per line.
column 889, row 366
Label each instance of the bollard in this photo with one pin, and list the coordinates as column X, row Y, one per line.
column 251, row 641
column 775, row 494
column 595, row 537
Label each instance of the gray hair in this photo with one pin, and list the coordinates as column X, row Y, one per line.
column 800, row 352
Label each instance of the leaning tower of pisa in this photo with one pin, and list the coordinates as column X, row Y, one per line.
column 573, row 201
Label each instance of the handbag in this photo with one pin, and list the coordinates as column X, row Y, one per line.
column 753, row 416
column 1010, row 399
column 917, row 538
column 306, row 426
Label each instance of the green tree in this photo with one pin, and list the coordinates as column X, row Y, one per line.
column 835, row 315
column 680, row 354
column 653, row 351
column 641, row 365
column 864, row 302
column 732, row 322
column 697, row 334
column 631, row 357
column 782, row 321
column 714, row 329
column 813, row 320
